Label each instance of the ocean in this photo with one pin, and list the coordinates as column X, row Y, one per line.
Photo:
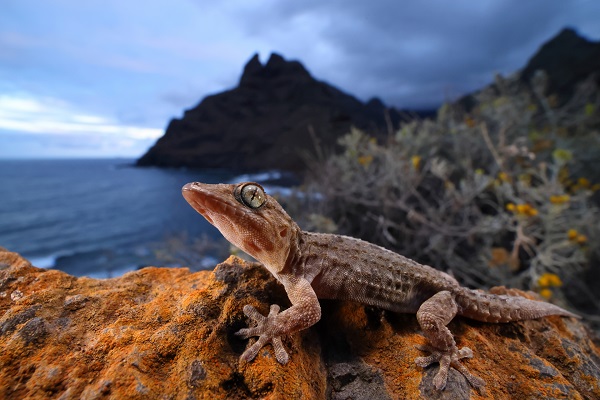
column 98, row 217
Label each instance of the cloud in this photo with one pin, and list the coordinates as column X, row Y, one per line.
column 52, row 116
column 413, row 53
column 27, row 145
column 123, row 69
column 58, row 124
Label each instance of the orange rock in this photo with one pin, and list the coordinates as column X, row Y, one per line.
column 169, row 333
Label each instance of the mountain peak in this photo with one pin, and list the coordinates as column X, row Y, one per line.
column 567, row 59
column 255, row 72
column 567, row 33
column 252, row 66
column 276, row 60
column 266, row 122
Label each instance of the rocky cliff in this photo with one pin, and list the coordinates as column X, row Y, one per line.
column 568, row 61
column 168, row 333
column 265, row 122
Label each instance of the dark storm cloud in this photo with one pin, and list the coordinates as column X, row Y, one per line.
column 415, row 53
column 122, row 69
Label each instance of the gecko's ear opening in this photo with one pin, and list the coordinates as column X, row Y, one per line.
column 250, row 194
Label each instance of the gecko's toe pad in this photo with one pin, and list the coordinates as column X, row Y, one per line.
column 447, row 359
column 266, row 328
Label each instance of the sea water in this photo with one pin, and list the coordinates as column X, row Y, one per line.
column 96, row 217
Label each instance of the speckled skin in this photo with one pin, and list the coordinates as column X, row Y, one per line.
column 313, row 265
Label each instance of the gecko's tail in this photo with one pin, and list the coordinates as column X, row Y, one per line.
column 502, row 308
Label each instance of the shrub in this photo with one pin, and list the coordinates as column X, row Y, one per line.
column 494, row 194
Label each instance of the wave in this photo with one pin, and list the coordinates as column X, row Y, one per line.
column 258, row 177
column 112, row 273
column 97, row 263
column 106, row 264
column 97, row 226
column 279, row 182
column 47, row 261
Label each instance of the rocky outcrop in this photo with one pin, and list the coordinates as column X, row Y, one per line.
column 265, row 122
column 568, row 59
column 168, row 333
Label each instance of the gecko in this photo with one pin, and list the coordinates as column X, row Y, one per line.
column 313, row 266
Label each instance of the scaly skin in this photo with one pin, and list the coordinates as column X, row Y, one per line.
column 312, row 266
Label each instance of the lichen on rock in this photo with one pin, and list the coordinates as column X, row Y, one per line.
column 169, row 333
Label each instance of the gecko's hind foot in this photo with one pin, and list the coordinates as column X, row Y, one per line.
column 267, row 330
column 447, row 359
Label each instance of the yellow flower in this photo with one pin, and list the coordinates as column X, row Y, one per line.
column 546, row 293
column 576, row 237
column 560, row 199
column 365, row 160
column 523, row 209
column 583, row 182
column 504, row 177
column 549, row 279
column 554, row 280
column 562, row 156
column 416, row 161
column 589, row 109
column 543, row 280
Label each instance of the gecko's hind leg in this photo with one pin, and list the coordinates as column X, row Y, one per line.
column 433, row 316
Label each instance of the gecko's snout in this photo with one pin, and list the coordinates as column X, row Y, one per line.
column 193, row 194
column 196, row 193
column 189, row 186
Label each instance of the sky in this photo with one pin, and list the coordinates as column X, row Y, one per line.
column 103, row 78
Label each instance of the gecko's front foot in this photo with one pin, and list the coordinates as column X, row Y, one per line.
column 446, row 359
column 267, row 330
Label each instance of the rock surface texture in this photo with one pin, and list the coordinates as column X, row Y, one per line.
column 163, row 333
column 265, row 122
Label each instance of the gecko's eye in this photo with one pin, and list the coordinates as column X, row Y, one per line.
column 252, row 195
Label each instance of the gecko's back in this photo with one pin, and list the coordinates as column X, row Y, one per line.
column 352, row 269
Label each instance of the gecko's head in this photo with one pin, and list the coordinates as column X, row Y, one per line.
column 247, row 217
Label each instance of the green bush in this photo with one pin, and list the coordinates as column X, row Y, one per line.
column 494, row 194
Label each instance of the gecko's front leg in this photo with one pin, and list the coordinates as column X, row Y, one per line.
column 266, row 329
column 305, row 312
column 433, row 316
